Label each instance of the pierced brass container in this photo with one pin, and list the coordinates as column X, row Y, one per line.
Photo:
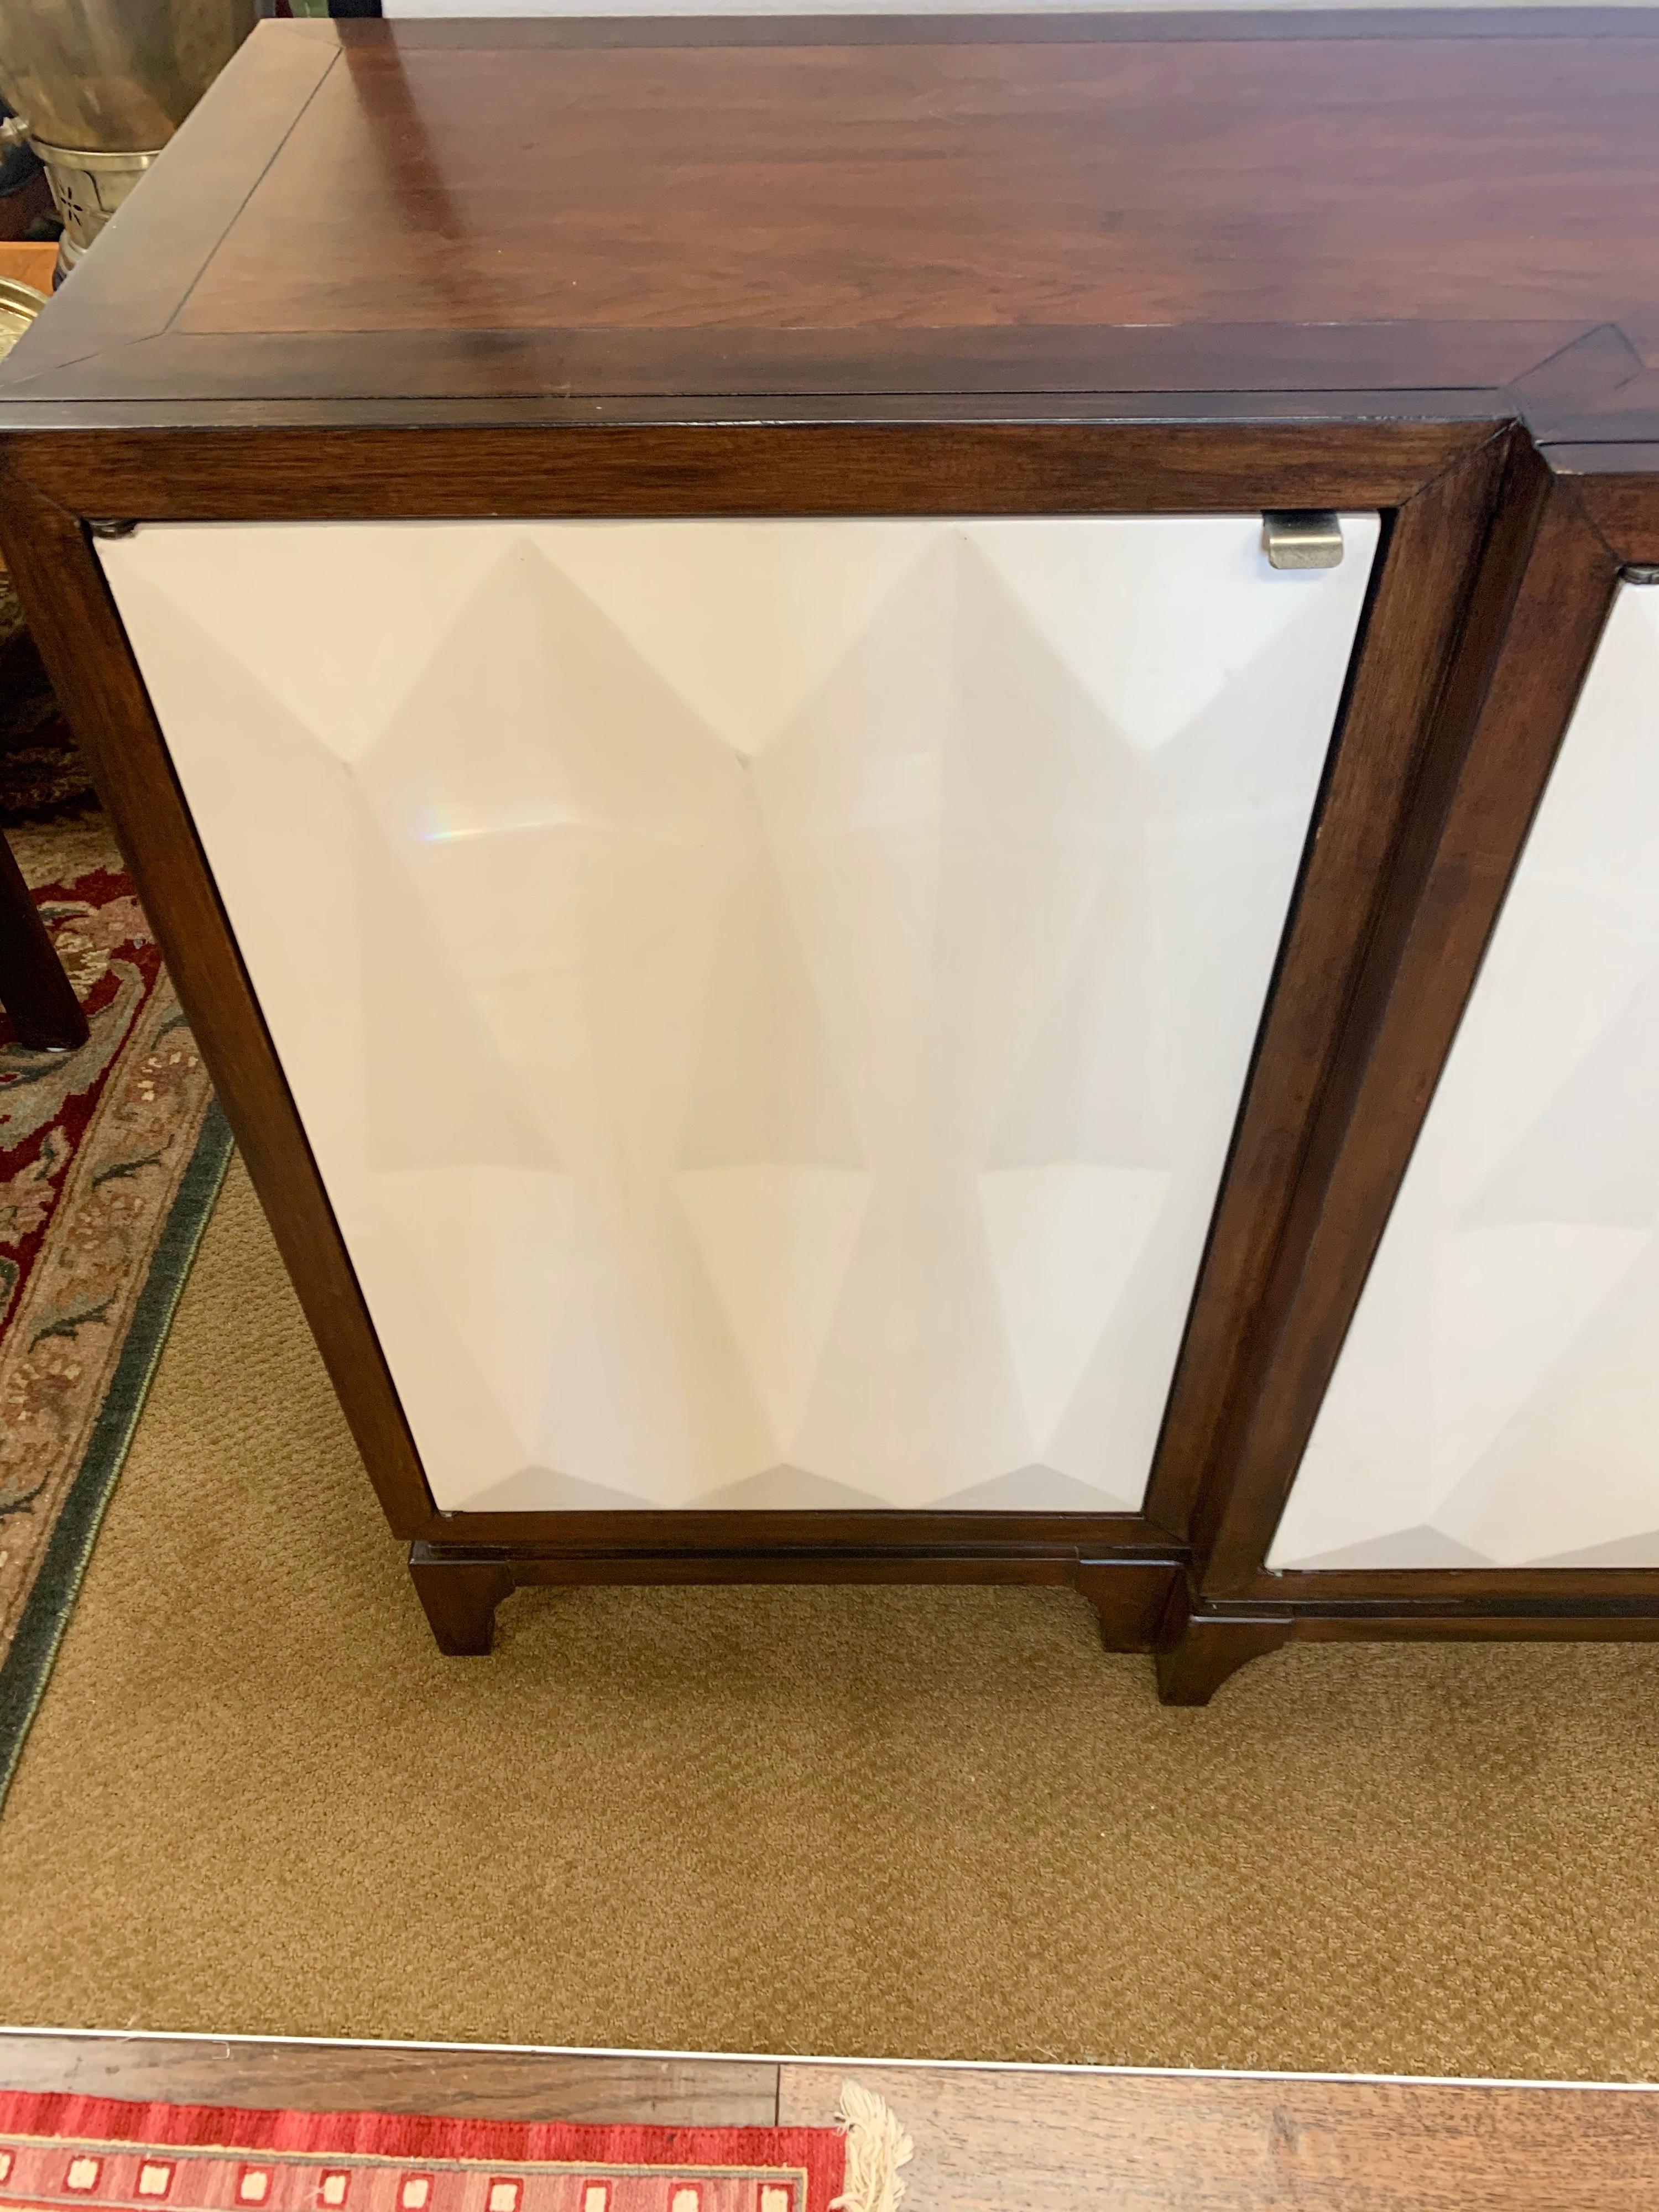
column 20, row 303
column 101, row 85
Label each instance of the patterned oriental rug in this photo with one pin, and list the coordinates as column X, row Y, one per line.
column 59, row 2153
column 110, row 1160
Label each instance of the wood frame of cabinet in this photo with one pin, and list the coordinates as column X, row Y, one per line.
column 1445, row 491
column 1457, row 698
column 1583, row 513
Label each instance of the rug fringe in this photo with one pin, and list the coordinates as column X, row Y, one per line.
column 877, row 2145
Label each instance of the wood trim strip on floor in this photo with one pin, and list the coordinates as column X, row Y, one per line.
column 465, row 2084
column 989, row 2139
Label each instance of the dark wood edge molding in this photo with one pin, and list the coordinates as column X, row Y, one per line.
column 1618, row 483
column 1564, row 1627
column 541, row 380
column 1437, row 412
column 1545, row 586
column 1472, row 1588
column 1622, row 507
column 1410, row 632
column 1201, row 1642
column 460, row 1585
column 1199, row 375
column 853, row 467
column 1137, row 27
column 781, row 1534
column 1144, row 1601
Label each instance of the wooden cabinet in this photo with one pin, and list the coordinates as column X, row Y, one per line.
column 827, row 951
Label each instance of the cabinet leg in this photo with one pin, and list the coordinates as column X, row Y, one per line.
column 1130, row 1597
column 460, row 1597
column 33, row 988
column 1197, row 1657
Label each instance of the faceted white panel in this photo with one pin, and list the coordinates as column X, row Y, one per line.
column 769, row 1000
column 1497, row 1402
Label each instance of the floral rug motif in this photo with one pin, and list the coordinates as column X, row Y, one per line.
column 109, row 1159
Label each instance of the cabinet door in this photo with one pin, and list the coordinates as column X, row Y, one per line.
column 1496, row 1402
column 768, row 999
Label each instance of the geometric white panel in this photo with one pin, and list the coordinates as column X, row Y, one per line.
column 1496, row 1402
column 777, row 1242
column 1066, row 1240
column 768, row 999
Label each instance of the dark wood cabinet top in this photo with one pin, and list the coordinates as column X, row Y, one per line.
column 1201, row 216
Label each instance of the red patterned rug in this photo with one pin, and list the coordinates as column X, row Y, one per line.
column 59, row 2153
column 109, row 1159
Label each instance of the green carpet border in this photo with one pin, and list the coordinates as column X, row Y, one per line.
column 28, row 1665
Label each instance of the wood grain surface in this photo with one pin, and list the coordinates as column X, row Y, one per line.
column 365, row 212
column 988, row 2139
column 1526, row 654
column 1434, row 557
column 459, row 2083
column 1009, row 2141
column 948, row 186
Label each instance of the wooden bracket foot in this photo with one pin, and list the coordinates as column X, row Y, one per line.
column 460, row 1595
column 1198, row 1651
column 1130, row 1597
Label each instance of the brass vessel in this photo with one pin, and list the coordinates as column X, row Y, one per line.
column 101, row 85
column 20, row 303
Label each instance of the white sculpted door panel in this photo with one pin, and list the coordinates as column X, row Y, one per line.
column 1497, row 1402
column 768, row 999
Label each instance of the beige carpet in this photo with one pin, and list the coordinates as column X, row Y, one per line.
column 908, row 1822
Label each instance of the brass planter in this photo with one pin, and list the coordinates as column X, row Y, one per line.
column 20, row 303
column 103, row 84
column 87, row 188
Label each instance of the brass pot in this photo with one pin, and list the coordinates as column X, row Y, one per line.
column 103, row 84
column 20, row 303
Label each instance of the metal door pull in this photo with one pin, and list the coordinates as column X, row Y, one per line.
column 1302, row 538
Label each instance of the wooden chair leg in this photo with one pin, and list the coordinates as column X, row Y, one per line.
column 1198, row 1654
column 460, row 1597
column 33, row 988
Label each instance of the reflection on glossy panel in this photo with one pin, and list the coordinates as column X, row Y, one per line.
column 1497, row 1400
column 768, row 999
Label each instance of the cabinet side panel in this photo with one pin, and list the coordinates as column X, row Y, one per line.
column 1496, row 1402
column 768, row 999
